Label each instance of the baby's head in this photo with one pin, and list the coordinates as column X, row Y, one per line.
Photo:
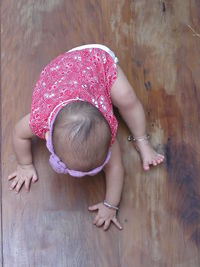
column 81, row 136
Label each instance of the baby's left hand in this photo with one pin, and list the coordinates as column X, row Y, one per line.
column 104, row 214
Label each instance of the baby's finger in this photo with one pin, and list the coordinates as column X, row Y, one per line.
column 94, row 207
column 100, row 222
column 95, row 219
column 19, row 185
column 27, row 184
column 35, row 178
column 106, row 225
column 12, row 175
column 117, row 223
column 12, row 186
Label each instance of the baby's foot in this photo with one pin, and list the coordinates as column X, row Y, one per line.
column 148, row 154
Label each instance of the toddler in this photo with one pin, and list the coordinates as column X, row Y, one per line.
column 72, row 109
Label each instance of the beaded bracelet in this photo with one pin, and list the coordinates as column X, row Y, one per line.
column 110, row 206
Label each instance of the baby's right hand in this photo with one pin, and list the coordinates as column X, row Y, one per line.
column 24, row 173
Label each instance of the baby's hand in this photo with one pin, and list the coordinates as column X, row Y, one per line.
column 106, row 215
column 24, row 173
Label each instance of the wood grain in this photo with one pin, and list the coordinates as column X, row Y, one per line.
column 158, row 46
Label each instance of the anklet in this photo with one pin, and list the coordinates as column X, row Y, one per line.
column 110, row 206
column 142, row 138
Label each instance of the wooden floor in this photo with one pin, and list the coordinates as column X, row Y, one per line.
column 158, row 46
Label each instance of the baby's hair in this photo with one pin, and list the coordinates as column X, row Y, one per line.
column 81, row 136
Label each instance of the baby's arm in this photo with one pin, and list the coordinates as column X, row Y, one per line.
column 114, row 173
column 131, row 109
column 21, row 137
column 125, row 99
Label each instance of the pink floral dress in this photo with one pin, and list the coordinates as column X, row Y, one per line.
column 87, row 74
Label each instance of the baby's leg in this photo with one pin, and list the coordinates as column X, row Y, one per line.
column 131, row 109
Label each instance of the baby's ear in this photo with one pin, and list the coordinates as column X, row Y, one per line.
column 47, row 135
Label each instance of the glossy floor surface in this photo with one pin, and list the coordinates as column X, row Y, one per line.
column 158, row 46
